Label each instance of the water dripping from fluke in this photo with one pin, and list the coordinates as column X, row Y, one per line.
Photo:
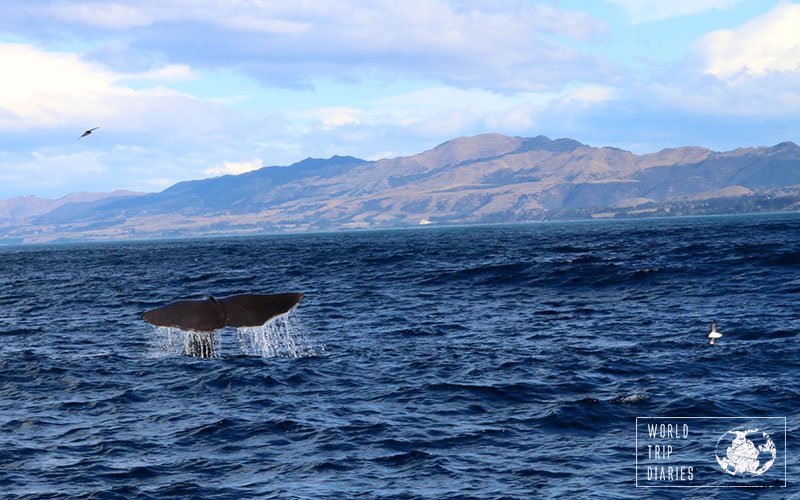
column 171, row 341
column 283, row 336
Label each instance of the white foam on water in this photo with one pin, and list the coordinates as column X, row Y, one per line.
column 631, row 398
column 281, row 336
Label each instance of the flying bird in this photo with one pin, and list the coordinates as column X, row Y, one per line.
column 88, row 132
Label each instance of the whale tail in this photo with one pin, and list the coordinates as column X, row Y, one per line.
column 255, row 310
column 202, row 317
column 209, row 314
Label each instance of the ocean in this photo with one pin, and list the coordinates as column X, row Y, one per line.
column 518, row 361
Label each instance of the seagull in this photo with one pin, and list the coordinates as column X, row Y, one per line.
column 87, row 133
column 713, row 335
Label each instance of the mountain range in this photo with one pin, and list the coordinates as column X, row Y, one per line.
column 482, row 179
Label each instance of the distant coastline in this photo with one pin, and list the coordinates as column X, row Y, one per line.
column 485, row 179
column 455, row 227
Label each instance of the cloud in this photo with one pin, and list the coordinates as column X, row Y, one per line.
column 332, row 116
column 42, row 89
column 48, row 169
column 413, row 121
column 98, row 14
column 760, row 98
column 587, row 95
column 235, row 167
column 750, row 72
column 768, row 43
column 509, row 45
column 640, row 11
column 165, row 74
column 727, row 80
column 118, row 16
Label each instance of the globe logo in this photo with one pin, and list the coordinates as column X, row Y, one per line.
column 745, row 452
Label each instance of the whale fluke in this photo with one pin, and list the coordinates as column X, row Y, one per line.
column 200, row 318
column 255, row 310
column 209, row 314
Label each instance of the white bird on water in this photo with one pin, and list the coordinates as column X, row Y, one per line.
column 713, row 335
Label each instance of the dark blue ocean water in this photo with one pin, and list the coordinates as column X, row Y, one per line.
column 505, row 361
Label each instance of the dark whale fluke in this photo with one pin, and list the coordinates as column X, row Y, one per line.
column 201, row 317
column 209, row 314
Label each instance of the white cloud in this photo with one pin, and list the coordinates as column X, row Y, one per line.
column 49, row 90
column 751, row 72
column 247, row 23
column 771, row 96
column 641, row 11
column 168, row 74
column 235, row 167
column 99, row 14
column 437, row 114
column 502, row 45
column 45, row 89
column 768, row 43
column 747, row 75
column 587, row 95
column 41, row 89
column 335, row 116
column 45, row 170
column 411, row 108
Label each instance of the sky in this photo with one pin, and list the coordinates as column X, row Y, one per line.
column 190, row 89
